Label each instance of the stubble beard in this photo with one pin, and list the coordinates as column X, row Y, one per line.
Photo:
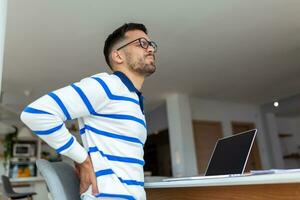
column 140, row 66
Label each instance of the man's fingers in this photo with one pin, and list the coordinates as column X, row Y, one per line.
column 83, row 188
column 77, row 172
column 94, row 185
column 87, row 176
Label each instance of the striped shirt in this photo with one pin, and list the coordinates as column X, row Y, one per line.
column 112, row 125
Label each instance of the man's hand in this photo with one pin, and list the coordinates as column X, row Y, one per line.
column 86, row 176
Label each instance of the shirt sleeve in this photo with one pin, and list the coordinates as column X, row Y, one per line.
column 46, row 116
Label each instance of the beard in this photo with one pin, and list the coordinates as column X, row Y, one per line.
column 140, row 66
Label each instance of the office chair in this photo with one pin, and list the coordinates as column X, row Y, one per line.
column 61, row 179
column 10, row 193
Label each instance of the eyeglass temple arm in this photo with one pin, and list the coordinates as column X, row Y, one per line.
column 127, row 44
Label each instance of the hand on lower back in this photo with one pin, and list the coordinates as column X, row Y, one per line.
column 86, row 176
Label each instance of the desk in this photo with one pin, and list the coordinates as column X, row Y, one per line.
column 257, row 187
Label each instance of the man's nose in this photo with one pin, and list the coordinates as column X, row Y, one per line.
column 150, row 49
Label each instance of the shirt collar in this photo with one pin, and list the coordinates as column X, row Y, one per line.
column 127, row 82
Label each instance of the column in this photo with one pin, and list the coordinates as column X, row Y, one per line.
column 181, row 135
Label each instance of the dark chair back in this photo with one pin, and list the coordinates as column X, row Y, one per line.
column 7, row 185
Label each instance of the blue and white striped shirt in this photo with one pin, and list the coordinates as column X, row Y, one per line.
column 112, row 125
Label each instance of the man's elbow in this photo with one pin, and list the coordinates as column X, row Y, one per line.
column 25, row 117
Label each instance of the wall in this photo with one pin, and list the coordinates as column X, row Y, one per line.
column 226, row 112
column 3, row 10
column 157, row 119
column 289, row 144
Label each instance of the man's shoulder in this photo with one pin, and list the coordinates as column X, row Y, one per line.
column 104, row 78
column 101, row 75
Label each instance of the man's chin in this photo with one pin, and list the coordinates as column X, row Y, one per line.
column 150, row 69
column 145, row 70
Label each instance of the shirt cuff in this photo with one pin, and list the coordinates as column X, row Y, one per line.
column 76, row 152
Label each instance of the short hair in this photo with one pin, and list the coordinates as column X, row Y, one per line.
column 118, row 35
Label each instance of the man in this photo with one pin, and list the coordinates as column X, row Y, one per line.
column 109, row 109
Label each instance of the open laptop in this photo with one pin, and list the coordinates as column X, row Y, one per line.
column 229, row 157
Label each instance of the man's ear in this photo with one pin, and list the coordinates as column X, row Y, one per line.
column 117, row 57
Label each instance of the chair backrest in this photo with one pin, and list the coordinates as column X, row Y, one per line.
column 7, row 188
column 61, row 179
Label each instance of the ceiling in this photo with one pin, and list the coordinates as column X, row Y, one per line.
column 240, row 51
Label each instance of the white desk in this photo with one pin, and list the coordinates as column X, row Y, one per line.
column 271, row 186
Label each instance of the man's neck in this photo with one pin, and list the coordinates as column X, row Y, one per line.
column 135, row 78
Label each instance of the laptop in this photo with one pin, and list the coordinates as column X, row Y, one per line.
column 229, row 157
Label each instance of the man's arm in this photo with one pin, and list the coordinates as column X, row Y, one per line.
column 46, row 116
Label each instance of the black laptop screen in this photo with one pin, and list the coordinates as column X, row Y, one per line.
column 230, row 154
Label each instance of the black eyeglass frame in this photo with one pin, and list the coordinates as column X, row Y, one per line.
column 150, row 43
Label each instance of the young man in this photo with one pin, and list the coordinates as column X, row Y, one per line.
column 109, row 109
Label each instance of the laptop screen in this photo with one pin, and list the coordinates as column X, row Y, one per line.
column 230, row 154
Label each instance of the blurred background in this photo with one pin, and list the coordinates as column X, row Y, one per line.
column 223, row 67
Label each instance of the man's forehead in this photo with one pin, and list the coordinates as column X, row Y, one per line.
column 134, row 34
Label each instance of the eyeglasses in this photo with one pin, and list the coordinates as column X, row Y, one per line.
column 144, row 43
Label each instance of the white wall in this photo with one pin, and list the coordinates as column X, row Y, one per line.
column 273, row 141
column 226, row 112
column 3, row 8
column 289, row 144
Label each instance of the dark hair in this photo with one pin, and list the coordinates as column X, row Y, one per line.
column 117, row 36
